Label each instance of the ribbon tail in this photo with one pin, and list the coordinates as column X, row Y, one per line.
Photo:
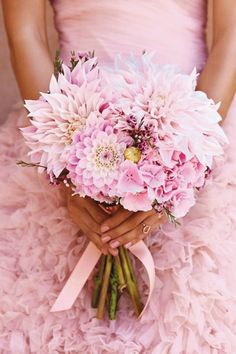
column 77, row 279
column 85, row 266
column 141, row 251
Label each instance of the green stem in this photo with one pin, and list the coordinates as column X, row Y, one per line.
column 98, row 282
column 114, row 281
column 119, row 270
column 130, row 265
column 105, row 284
column 130, row 280
column 26, row 164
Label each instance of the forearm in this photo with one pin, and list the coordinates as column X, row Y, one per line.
column 33, row 66
column 218, row 79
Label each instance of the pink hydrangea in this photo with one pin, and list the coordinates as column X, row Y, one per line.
column 130, row 179
column 138, row 201
column 181, row 201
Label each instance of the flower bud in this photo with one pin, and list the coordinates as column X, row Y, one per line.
column 132, row 154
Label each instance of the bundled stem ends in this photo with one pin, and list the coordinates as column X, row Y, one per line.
column 98, row 282
column 104, row 289
column 114, row 292
column 115, row 274
column 130, row 280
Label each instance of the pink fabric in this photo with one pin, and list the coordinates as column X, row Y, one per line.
column 109, row 27
column 193, row 306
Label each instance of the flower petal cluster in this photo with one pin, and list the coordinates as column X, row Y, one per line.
column 138, row 134
column 95, row 160
column 76, row 99
column 185, row 119
column 174, row 126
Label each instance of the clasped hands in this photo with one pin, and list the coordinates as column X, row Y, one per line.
column 109, row 229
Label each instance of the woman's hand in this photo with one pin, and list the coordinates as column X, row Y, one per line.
column 87, row 214
column 126, row 227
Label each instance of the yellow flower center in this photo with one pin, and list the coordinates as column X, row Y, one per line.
column 71, row 129
column 106, row 157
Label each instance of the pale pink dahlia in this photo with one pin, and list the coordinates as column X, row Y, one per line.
column 95, row 160
column 186, row 120
column 76, row 100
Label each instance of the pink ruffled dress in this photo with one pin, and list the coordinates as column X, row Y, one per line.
column 193, row 306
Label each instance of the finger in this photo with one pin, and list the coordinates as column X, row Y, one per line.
column 82, row 215
column 131, row 236
column 137, row 234
column 91, row 206
column 88, row 226
column 154, row 221
column 95, row 238
column 127, row 225
column 109, row 209
column 96, row 211
column 116, row 219
column 113, row 251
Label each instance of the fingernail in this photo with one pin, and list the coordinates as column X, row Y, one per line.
column 128, row 245
column 105, row 238
column 104, row 228
column 114, row 252
column 115, row 244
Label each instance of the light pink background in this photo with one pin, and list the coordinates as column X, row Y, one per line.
column 8, row 89
column 9, row 94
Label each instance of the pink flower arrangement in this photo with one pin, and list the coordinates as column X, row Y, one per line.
column 139, row 135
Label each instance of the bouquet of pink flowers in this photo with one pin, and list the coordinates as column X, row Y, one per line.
column 138, row 135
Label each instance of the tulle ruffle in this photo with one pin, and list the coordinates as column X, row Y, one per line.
column 193, row 307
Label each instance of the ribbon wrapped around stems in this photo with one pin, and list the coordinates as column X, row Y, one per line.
column 85, row 266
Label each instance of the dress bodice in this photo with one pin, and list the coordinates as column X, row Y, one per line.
column 174, row 29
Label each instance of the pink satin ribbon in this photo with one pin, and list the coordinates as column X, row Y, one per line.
column 85, row 266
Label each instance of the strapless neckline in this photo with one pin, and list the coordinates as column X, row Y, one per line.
column 174, row 29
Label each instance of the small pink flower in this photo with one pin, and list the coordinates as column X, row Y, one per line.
column 186, row 174
column 153, row 175
column 130, row 179
column 182, row 201
column 136, row 202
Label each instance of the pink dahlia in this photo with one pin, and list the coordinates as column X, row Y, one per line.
column 186, row 119
column 95, row 159
column 76, row 99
